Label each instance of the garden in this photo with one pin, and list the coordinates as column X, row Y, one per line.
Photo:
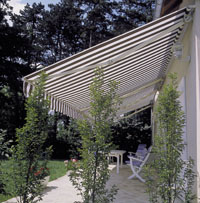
column 38, row 142
column 29, row 160
column 56, row 169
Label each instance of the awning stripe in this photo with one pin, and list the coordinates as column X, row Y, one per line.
column 136, row 58
column 117, row 54
column 84, row 87
column 141, row 54
column 121, row 89
column 78, row 86
column 139, row 31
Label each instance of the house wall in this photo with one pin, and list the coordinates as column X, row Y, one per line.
column 193, row 80
column 189, row 70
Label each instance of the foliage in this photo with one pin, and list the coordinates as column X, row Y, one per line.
column 29, row 152
column 91, row 175
column 169, row 176
column 4, row 145
column 71, row 164
column 71, row 136
column 56, row 168
column 59, row 145
column 4, row 153
column 42, row 172
column 6, row 169
column 71, row 26
column 38, row 37
column 13, row 67
column 63, row 136
column 129, row 132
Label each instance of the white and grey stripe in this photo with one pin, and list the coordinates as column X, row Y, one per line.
column 137, row 59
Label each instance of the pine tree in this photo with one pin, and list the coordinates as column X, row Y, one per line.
column 62, row 24
column 12, row 68
column 29, row 22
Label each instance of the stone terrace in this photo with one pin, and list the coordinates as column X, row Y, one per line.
column 130, row 191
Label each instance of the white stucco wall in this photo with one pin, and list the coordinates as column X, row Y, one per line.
column 193, row 88
column 192, row 95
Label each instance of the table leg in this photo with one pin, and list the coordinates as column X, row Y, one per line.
column 117, row 163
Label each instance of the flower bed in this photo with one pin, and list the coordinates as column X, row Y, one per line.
column 43, row 175
column 42, row 172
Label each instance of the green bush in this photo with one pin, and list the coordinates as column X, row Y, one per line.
column 57, row 169
column 92, row 173
column 28, row 156
column 169, row 177
column 4, row 153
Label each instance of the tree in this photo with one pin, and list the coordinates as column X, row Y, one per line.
column 132, row 14
column 30, row 24
column 68, row 133
column 129, row 132
column 13, row 67
column 44, row 36
column 105, row 19
column 169, row 176
column 71, row 26
column 92, row 173
column 97, row 21
column 63, row 27
column 28, row 154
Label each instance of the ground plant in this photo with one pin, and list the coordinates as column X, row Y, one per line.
column 56, row 168
column 168, row 176
column 29, row 156
column 91, row 174
column 4, row 153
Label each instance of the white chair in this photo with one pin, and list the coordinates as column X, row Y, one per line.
column 137, row 163
column 140, row 149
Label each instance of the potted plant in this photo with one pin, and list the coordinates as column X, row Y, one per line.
column 43, row 174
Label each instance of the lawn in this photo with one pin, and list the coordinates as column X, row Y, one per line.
column 56, row 167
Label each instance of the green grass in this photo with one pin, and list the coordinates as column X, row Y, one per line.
column 56, row 167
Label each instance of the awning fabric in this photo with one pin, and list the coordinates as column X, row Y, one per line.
column 138, row 59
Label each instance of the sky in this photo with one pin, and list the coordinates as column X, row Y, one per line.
column 19, row 4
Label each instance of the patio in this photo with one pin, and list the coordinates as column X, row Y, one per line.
column 130, row 191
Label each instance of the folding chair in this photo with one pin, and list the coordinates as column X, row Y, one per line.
column 137, row 163
column 140, row 149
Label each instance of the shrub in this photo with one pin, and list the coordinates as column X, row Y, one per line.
column 169, row 177
column 28, row 155
column 4, row 153
column 92, row 173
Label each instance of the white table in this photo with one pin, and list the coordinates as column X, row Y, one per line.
column 118, row 154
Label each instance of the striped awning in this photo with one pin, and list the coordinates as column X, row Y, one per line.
column 138, row 59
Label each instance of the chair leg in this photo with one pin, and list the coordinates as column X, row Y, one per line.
column 132, row 176
column 135, row 174
column 140, row 178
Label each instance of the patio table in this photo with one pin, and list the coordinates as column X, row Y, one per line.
column 119, row 155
